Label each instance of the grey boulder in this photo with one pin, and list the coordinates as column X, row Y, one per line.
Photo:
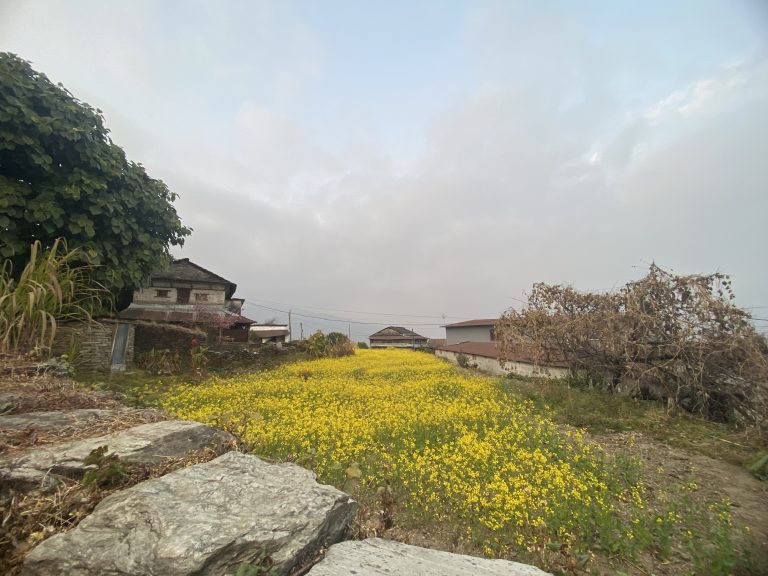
column 377, row 557
column 205, row 520
column 145, row 444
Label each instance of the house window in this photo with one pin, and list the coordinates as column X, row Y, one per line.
column 201, row 297
column 182, row 295
column 162, row 293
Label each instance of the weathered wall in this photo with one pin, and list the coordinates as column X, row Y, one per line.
column 92, row 344
column 149, row 295
column 213, row 296
column 468, row 334
column 492, row 366
column 151, row 336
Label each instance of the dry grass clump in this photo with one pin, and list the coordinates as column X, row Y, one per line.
column 40, row 393
column 22, row 394
column 28, row 518
column 53, row 287
column 17, row 440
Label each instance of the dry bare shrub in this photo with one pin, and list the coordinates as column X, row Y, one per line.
column 339, row 349
column 676, row 338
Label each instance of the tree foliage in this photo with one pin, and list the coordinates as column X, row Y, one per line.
column 678, row 338
column 334, row 345
column 316, row 345
column 61, row 176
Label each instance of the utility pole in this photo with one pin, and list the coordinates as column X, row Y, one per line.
column 290, row 331
column 301, row 325
column 349, row 332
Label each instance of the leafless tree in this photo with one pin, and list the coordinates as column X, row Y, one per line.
column 213, row 320
column 677, row 338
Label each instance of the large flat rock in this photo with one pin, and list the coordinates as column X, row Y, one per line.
column 205, row 520
column 377, row 557
column 145, row 444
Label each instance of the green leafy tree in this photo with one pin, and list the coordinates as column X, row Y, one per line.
column 61, row 176
column 336, row 338
column 316, row 345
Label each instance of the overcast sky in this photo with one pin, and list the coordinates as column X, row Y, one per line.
column 432, row 158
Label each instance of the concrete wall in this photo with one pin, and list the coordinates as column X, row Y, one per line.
column 468, row 334
column 92, row 344
column 492, row 366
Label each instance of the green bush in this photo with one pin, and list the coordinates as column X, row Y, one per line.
column 316, row 345
column 334, row 345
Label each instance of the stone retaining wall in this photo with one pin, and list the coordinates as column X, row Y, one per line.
column 91, row 344
column 150, row 335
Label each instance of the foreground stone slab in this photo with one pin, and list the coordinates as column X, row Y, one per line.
column 56, row 420
column 145, row 444
column 205, row 520
column 377, row 557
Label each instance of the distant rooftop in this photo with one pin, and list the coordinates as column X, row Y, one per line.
column 396, row 333
column 480, row 322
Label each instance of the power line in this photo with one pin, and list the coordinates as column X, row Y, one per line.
column 306, row 307
column 342, row 320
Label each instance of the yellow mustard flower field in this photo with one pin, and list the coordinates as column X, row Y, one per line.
column 450, row 449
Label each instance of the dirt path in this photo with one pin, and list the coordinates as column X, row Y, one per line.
column 717, row 480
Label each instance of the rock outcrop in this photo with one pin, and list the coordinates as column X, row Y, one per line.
column 377, row 557
column 205, row 520
column 146, row 444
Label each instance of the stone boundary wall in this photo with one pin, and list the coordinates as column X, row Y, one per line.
column 92, row 345
column 152, row 335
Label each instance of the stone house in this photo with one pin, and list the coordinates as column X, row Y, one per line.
column 397, row 337
column 186, row 293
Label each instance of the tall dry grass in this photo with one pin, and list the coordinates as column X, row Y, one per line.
column 55, row 286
